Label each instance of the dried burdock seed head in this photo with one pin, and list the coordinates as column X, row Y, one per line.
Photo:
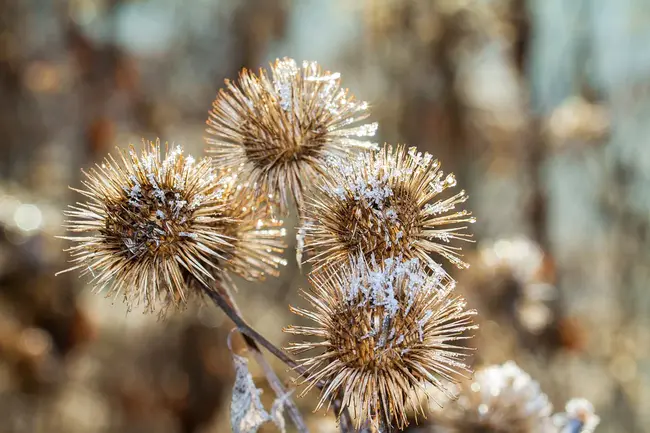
column 255, row 237
column 280, row 128
column 383, row 332
column 384, row 204
column 500, row 399
column 154, row 226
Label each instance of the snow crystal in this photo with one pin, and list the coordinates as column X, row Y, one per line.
column 391, row 215
column 390, row 287
column 284, row 75
column 439, row 207
column 422, row 322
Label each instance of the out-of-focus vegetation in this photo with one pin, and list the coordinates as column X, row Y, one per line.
column 540, row 108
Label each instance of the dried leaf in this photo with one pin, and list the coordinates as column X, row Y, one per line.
column 277, row 410
column 247, row 413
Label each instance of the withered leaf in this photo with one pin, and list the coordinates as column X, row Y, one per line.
column 247, row 413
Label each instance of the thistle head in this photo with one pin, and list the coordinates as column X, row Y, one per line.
column 383, row 330
column 500, row 399
column 255, row 237
column 384, row 204
column 154, row 224
column 280, row 127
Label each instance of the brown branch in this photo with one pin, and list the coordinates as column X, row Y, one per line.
column 227, row 304
column 250, row 334
column 343, row 414
column 254, row 339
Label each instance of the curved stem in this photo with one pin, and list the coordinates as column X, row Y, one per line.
column 250, row 334
column 227, row 304
column 343, row 415
column 254, row 339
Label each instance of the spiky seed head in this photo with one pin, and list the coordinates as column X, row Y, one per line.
column 500, row 399
column 154, row 225
column 385, row 203
column 382, row 332
column 255, row 238
column 280, row 127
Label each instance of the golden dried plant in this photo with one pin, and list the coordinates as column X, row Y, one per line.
column 383, row 331
column 155, row 225
column 382, row 204
column 500, row 399
column 255, row 237
column 280, row 128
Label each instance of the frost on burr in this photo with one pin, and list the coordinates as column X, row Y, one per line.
column 279, row 127
column 158, row 223
column 383, row 329
column 386, row 203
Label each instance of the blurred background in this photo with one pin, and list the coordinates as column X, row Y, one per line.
column 540, row 107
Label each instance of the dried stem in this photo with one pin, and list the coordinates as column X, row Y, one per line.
column 252, row 334
column 227, row 304
column 384, row 426
column 343, row 414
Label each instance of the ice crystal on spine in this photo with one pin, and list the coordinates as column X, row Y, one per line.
column 385, row 203
column 280, row 127
column 156, row 223
column 384, row 331
column 500, row 399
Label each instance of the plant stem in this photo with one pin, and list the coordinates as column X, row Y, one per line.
column 384, row 425
column 250, row 334
column 226, row 302
column 343, row 414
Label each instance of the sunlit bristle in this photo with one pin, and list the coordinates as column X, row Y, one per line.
column 154, row 224
column 280, row 127
column 255, row 236
column 382, row 332
column 385, row 203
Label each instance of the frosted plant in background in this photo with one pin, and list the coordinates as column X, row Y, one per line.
column 505, row 399
column 383, row 331
column 384, row 204
column 523, row 261
column 519, row 255
column 155, row 224
column 280, row 127
column 501, row 398
column 579, row 417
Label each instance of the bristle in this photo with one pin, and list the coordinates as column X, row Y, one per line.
column 279, row 128
column 383, row 331
column 383, row 204
column 156, row 224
